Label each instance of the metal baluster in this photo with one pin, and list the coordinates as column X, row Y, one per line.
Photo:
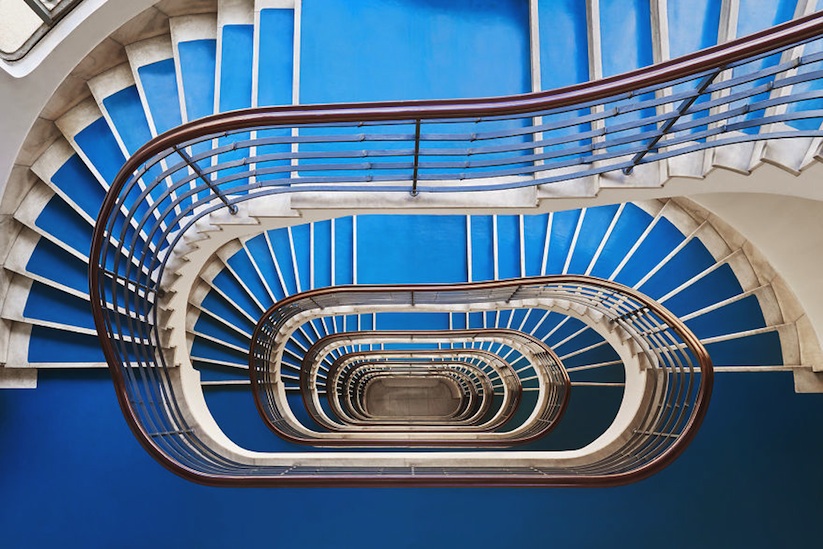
column 681, row 110
column 232, row 207
column 416, row 156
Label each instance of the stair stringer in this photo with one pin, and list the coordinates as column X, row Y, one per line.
column 639, row 362
column 779, row 306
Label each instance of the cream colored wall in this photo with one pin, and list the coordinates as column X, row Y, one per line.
column 789, row 233
column 26, row 86
column 17, row 23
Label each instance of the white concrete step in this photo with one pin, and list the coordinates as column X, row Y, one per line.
column 189, row 28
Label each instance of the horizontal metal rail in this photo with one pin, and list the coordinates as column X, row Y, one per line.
column 654, row 113
column 554, row 382
column 765, row 86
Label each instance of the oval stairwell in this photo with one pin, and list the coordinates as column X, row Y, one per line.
column 230, row 211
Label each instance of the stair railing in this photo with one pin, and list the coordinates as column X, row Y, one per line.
column 498, row 431
column 764, row 86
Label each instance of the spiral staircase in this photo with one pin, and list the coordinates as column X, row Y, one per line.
column 227, row 265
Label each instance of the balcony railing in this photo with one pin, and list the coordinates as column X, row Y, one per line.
column 760, row 87
column 490, row 376
column 765, row 86
column 269, row 342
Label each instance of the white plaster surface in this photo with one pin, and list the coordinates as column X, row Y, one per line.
column 17, row 23
column 789, row 233
column 11, row 378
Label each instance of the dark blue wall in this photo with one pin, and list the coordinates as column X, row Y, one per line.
column 71, row 475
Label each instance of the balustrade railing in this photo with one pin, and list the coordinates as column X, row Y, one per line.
column 764, row 86
column 536, row 360
column 489, row 376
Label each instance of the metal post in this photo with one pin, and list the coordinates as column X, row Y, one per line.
column 41, row 10
column 681, row 110
column 232, row 207
column 416, row 156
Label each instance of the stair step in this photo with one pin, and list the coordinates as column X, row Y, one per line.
column 197, row 56
column 153, row 70
column 194, row 38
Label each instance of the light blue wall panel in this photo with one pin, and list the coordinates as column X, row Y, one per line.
column 595, row 224
column 625, row 34
column 236, row 67
column 344, row 250
column 563, row 227
column 482, row 247
column 276, row 61
column 757, row 15
column 508, row 246
column 564, row 58
column 534, row 229
column 159, row 81
column 693, row 25
column 197, row 67
column 372, row 50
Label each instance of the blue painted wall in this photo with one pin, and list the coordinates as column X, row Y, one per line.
column 373, row 50
column 72, row 475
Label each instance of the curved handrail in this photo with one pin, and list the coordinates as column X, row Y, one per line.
column 273, row 407
column 681, row 378
column 634, row 118
column 501, row 370
column 666, row 341
column 715, row 57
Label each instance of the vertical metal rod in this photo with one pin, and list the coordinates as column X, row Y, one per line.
column 681, row 110
column 416, row 156
column 232, row 207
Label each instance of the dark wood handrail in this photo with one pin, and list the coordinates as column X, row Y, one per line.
column 692, row 64
column 474, row 437
column 698, row 407
column 658, row 462
column 717, row 57
column 507, row 380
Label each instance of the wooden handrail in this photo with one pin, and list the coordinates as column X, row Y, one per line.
column 691, row 65
column 642, row 305
column 482, row 436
